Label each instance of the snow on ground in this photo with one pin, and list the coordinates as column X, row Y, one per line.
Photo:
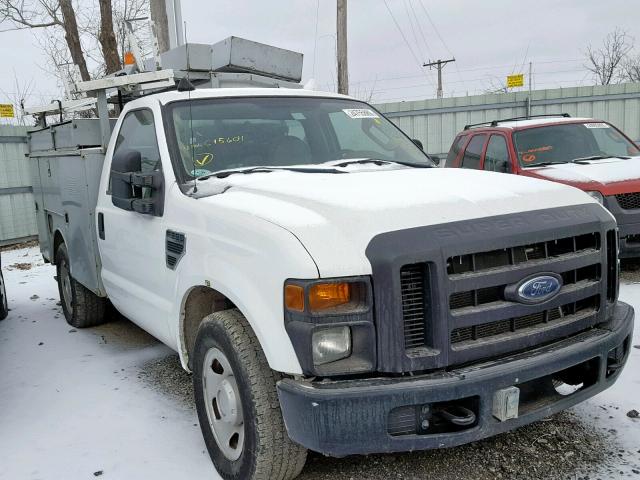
column 71, row 402
column 111, row 402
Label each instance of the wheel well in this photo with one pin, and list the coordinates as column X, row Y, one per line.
column 200, row 302
column 57, row 241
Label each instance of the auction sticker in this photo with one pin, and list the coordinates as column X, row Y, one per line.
column 360, row 113
column 596, row 125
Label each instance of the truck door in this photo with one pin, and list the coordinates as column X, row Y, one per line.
column 132, row 245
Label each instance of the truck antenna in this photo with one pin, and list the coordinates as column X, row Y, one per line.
column 185, row 85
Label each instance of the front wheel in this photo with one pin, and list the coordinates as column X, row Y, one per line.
column 237, row 403
column 4, row 307
column 81, row 307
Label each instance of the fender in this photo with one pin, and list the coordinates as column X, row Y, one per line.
column 248, row 278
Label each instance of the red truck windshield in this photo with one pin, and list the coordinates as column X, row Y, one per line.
column 567, row 142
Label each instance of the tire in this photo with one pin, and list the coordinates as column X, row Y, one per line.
column 244, row 390
column 81, row 307
column 4, row 307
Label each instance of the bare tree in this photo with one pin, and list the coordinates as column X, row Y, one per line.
column 72, row 37
column 606, row 62
column 90, row 35
column 495, row 85
column 108, row 38
column 631, row 68
column 127, row 11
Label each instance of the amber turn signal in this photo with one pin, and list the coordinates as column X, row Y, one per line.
column 294, row 298
column 323, row 296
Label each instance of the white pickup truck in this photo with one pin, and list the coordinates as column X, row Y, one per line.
column 328, row 289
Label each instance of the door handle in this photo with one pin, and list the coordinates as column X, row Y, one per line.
column 101, row 225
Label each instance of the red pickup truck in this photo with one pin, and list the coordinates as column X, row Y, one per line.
column 589, row 154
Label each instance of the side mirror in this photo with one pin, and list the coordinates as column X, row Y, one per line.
column 133, row 190
column 435, row 159
column 418, row 143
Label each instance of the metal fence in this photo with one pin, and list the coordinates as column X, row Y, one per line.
column 436, row 122
column 17, row 213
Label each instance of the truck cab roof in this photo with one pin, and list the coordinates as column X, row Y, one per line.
column 172, row 96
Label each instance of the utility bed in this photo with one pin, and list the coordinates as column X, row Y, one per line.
column 66, row 164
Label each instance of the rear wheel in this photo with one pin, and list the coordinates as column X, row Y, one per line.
column 237, row 403
column 82, row 308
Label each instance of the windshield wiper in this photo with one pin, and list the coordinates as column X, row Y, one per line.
column 360, row 161
column 378, row 161
column 597, row 157
column 544, row 164
column 246, row 171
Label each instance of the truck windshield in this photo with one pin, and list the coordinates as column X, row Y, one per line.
column 220, row 134
column 564, row 143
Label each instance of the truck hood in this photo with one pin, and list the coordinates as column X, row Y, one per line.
column 336, row 215
column 609, row 177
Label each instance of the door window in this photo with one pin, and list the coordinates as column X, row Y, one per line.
column 496, row 159
column 473, row 152
column 138, row 133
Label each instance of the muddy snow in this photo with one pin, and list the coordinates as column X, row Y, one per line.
column 112, row 402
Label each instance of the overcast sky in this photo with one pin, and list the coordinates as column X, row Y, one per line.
column 489, row 40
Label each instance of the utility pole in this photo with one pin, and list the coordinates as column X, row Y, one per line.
column 341, row 47
column 160, row 25
column 166, row 24
column 439, row 64
column 530, row 86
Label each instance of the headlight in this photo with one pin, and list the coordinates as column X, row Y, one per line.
column 331, row 344
column 330, row 324
column 597, row 196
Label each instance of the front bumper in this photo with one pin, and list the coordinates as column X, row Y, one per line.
column 347, row 417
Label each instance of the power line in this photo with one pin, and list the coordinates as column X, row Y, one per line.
column 424, row 37
column 413, row 30
column 382, row 89
column 444, row 44
column 405, row 39
column 435, row 28
column 475, row 69
column 477, row 91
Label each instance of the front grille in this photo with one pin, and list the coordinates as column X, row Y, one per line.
column 467, row 336
column 519, row 255
column 413, row 286
column 629, row 201
column 483, row 296
column 479, row 314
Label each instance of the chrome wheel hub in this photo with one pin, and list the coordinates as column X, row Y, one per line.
column 222, row 399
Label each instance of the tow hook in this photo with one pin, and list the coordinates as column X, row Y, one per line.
column 458, row 415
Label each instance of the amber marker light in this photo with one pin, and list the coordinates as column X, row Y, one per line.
column 294, row 298
column 323, row 296
column 129, row 59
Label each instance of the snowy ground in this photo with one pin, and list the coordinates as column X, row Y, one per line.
column 111, row 402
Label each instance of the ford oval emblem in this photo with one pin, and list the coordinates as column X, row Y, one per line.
column 535, row 289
